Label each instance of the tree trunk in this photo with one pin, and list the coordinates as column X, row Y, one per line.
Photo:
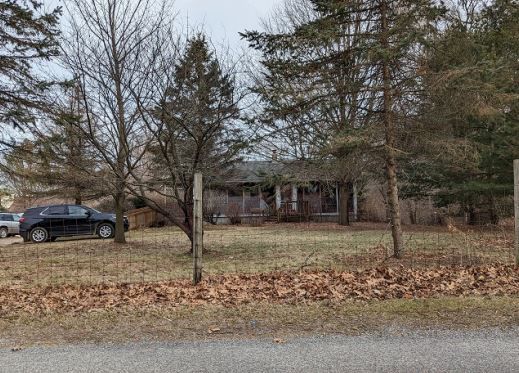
column 120, row 200
column 355, row 203
column 78, row 198
column 122, row 139
column 394, row 207
column 494, row 218
column 413, row 212
column 471, row 215
column 187, row 208
column 188, row 230
column 389, row 127
column 344, row 195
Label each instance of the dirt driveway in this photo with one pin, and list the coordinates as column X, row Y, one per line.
column 10, row 240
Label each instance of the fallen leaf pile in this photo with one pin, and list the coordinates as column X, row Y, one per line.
column 282, row 287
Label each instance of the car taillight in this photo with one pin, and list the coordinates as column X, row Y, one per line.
column 22, row 220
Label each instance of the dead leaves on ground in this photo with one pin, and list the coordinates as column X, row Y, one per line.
column 280, row 287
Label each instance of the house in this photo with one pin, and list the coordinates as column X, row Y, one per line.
column 276, row 190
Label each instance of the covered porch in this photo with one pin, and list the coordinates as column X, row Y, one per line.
column 289, row 202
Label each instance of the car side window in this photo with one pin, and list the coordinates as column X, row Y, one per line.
column 77, row 211
column 55, row 210
column 6, row 217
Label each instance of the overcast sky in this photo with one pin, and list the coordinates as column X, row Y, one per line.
column 223, row 19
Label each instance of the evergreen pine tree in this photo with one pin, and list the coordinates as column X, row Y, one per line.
column 27, row 37
column 389, row 37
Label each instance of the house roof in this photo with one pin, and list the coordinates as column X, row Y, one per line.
column 254, row 171
column 261, row 171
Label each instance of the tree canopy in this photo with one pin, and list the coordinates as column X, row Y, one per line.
column 471, row 113
column 28, row 36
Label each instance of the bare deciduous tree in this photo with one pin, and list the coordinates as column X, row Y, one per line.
column 111, row 48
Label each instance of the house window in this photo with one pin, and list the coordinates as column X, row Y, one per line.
column 251, row 198
column 235, row 197
column 312, row 194
column 328, row 198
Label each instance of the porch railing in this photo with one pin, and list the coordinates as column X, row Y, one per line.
column 293, row 210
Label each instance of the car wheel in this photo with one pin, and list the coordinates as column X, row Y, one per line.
column 3, row 233
column 105, row 230
column 39, row 235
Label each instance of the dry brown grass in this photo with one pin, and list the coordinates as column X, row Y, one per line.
column 163, row 254
column 257, row 320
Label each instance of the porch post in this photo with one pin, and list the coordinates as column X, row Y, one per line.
column 294, row 197
column 243, row 201
column 278, row 196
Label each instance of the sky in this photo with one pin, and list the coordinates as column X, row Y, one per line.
column 223, row 19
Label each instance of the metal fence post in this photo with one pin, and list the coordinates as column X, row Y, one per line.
column 197, row 228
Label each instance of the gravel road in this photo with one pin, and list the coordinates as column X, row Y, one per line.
column 432, row 351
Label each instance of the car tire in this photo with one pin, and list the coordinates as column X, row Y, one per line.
column 105, row 231
column 4, row 233
column 39, row 235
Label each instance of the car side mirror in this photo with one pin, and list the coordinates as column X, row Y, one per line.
column 89, row 213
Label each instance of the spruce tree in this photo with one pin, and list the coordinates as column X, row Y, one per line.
column 195, row 128
column 27, row 37
column 389, row 39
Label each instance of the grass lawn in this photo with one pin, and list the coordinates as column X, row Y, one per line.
column 163, row 254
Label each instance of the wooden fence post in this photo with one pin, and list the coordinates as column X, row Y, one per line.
column 198, row 228
column 516, row 208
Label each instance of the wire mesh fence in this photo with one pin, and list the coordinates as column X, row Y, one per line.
column 161, row 254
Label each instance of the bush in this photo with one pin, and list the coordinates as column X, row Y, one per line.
column 234, row 213
column 138, row 202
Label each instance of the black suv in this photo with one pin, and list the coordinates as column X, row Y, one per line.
column 47, row 223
